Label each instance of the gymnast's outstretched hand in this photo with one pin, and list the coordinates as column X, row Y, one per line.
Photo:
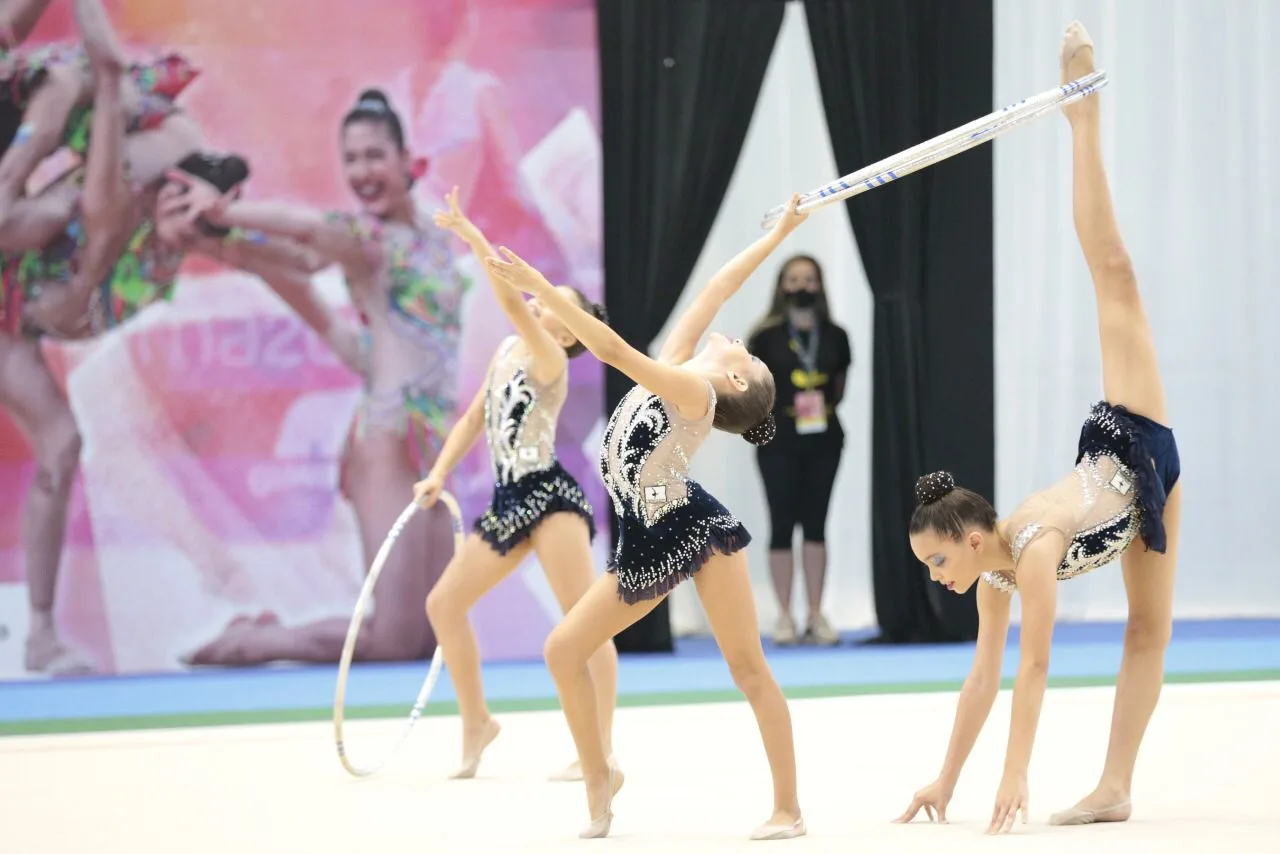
column 517, row 272
column 791, row 216
column 190, row 198
column 456, row 221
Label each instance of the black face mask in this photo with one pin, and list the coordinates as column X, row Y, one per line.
column 802, row 299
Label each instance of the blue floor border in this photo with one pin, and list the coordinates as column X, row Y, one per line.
column 1081, row 651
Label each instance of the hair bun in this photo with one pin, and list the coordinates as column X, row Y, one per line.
column 222, row 171
column 762, row 433
column 933, row 487
column 598, row 310
column 373, row 98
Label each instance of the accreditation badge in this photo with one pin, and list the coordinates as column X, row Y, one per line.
column 811, row 412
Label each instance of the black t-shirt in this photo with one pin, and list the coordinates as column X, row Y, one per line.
column 800, row 368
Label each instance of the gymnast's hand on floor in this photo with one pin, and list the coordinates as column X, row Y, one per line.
column 1010, row 799
column 932, row 798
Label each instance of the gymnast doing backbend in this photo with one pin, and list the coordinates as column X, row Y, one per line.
column 670, row 528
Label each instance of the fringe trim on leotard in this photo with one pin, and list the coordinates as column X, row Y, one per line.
column 518, row 508
column 724, row 541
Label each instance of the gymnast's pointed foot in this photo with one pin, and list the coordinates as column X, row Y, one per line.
column 474, row 741
column 1076, row 59
column 1103, row 804
column 604, row 788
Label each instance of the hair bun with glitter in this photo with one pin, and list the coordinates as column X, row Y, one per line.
column 762, row 433
column 934, row 487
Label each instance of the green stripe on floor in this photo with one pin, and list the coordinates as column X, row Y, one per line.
column 675, row 698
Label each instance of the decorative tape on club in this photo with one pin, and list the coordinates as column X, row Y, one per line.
column 945, row 145
column 353, row 632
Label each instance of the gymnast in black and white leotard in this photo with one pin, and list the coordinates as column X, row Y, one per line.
column 1121, row 501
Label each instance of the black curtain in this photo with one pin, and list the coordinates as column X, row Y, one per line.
column 679, row 81
column 894, row 73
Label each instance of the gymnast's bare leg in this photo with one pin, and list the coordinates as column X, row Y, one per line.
column 1131, row 377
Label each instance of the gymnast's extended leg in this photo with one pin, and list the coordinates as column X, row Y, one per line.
column 1131, row 378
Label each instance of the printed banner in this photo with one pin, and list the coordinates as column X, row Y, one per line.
column 214, row 495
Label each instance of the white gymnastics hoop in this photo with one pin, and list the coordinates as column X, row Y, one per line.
column 353, row 631
column 944, row 145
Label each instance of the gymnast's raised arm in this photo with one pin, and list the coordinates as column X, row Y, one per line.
column 683, row 388
column 334, row 240
column 287, row 268
column 106, row 204
column 683, row 340
column 549, row 358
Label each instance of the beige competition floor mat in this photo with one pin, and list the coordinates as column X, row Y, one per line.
column 696, row 782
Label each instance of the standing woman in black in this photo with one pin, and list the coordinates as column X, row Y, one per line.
column 809, row 357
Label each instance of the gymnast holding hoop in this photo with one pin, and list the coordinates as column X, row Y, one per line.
column 670, row 528
column 536, row 504
column 1124, row 487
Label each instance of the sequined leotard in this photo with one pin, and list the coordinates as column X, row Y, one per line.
column 144, row 274
column 413, row 320
column 1126, row 465
column 520, row 417
column 669, row 526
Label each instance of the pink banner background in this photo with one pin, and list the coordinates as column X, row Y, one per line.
column 213, row 425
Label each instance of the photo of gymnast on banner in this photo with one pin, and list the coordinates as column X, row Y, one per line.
column 232, row 337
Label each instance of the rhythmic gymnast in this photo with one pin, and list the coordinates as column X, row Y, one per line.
column 46, row 102
column 670, row 528
column 1124, row 488
column 95, row 259
column 401, row 275
column 536, row 503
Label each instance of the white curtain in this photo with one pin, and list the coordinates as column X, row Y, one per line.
column 1191, row 120
column 787, row 150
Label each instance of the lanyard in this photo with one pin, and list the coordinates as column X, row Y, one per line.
column 808, row 355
